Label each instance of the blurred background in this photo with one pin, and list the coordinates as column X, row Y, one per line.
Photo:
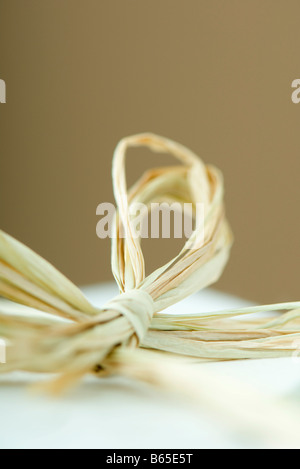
column 214, row 75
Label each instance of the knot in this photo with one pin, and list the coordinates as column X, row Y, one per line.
column 137, row 306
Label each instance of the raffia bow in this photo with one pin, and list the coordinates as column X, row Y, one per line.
column 75, row 338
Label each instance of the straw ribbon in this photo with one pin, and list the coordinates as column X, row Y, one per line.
column 44, row 345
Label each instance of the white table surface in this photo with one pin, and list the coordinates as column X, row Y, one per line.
column 121, row 413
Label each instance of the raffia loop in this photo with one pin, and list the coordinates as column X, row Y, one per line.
column 189, row 182
column 137, row 307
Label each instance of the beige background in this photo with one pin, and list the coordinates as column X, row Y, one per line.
column 215, row 75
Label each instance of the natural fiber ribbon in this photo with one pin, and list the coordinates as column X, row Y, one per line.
column 94, row 337
column 37, row 345
column 75, row 338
